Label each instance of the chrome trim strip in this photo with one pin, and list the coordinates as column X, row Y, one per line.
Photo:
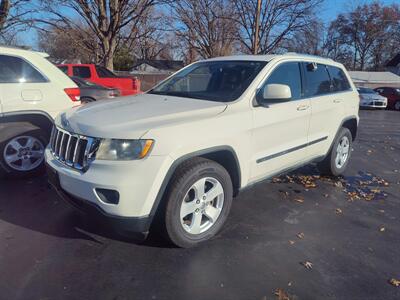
column 262, row 159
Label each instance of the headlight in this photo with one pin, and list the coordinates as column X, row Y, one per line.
column 111, row 149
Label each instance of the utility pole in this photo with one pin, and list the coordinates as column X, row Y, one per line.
column 257, row 25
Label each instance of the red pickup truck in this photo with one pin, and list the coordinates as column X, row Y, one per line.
column 102, row 76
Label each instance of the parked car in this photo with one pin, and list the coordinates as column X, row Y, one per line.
column 392, row 95
column 182, row 150
column 32, row 92
column 91, row 92
column 371, row 99
column 102, row 76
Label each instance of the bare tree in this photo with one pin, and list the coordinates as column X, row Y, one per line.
column 205, row 26
column 106, row 19
column 368, row 32
column 278, row 19
column 14, row 15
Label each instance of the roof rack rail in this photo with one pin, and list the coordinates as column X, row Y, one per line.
column 307, row 55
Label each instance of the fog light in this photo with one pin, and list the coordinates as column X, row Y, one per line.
column 108, row 196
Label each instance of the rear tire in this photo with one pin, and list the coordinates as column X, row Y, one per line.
column 198, row 202
column 23, row 155
column 335, row 163
column 397, row 106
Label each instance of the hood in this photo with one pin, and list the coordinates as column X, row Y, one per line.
column 131, row 117
column 372, row 97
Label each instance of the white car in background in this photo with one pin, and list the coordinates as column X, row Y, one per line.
column 32, row 92
column 371, row 99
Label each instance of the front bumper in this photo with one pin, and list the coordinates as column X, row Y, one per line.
column 137, row 183
column 120, row 224
column 374, row 104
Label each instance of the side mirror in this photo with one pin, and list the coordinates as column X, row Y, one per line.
column 274, row 93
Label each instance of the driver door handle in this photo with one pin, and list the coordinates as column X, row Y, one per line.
column 303, row 107
column 337, row 101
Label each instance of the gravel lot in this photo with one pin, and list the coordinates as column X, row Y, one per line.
column 347, row 229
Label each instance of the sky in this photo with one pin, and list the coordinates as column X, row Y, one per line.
column 328, row 12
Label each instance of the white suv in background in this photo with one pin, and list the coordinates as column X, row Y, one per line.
column 32, row 92
column 181, row 151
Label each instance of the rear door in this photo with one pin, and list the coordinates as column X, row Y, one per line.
column 280, row 130
column 22, row 84
column 327, row 106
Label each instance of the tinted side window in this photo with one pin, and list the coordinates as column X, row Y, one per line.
column 64, row 69
column 339, row 80
column 82, row 72
column 16, row 70
column 104, row 73
column 288, row 74
column 318, row 81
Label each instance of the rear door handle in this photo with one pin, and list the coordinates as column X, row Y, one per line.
column 337, row 101
column 303, row 107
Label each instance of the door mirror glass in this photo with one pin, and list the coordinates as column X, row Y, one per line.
column 274, row 93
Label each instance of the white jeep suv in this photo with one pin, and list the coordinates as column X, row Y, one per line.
column 182, row 150
column 32, row 92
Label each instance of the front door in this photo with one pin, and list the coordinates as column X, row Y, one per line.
column 280, row 130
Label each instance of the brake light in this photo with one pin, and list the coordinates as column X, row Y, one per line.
column 135, row 84
column 73, row 93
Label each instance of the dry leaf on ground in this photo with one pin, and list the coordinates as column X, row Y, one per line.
column 395, row 282
column 338, row 211
column 281, row 294
column 382, row 229
column 300, row 235
column 307, row 265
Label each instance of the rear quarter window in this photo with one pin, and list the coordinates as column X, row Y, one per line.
column 17, row 70
column 340, row 82
column 64, row 69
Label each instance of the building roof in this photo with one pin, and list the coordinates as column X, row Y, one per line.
column 394, row 62
column 161, row 64
column 374, row 77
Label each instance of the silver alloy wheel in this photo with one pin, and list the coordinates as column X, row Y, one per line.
column 342, row 152
column 397, row 105
column 202, row 205
column 23, row 153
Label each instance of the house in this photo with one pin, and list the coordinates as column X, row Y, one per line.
column 375, row 79
column 393, row 65
column 157, row 66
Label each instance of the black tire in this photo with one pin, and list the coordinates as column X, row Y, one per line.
column 397, row 106
column 7, row 170
column 329, row 166
column 87, row 100
column 185, row 176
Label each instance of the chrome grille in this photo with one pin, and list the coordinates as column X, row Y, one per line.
column 73, row 150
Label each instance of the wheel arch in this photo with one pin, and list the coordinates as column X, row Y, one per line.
column 224, row 155
column 351, row 124
column 21, row 121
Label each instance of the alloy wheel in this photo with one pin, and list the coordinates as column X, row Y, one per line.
column 23, row 153
column 202, row 205
column 342, row 152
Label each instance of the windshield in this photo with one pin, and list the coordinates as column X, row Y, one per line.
column 366, row 91
column 220, row 81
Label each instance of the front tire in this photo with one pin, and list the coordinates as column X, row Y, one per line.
column 335, row 163
column 23, row 155
column 198, row 202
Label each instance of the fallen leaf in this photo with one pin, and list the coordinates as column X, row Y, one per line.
column 381, row 211
column 300, row 235
column 395, row 282
column 291, row 242
column 338, row 211
column 382, row 229
column 307, row 265
column 281, row 294
column 326, row 195
column 300, row 200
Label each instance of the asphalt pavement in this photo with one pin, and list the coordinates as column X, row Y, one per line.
column 301, row 236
